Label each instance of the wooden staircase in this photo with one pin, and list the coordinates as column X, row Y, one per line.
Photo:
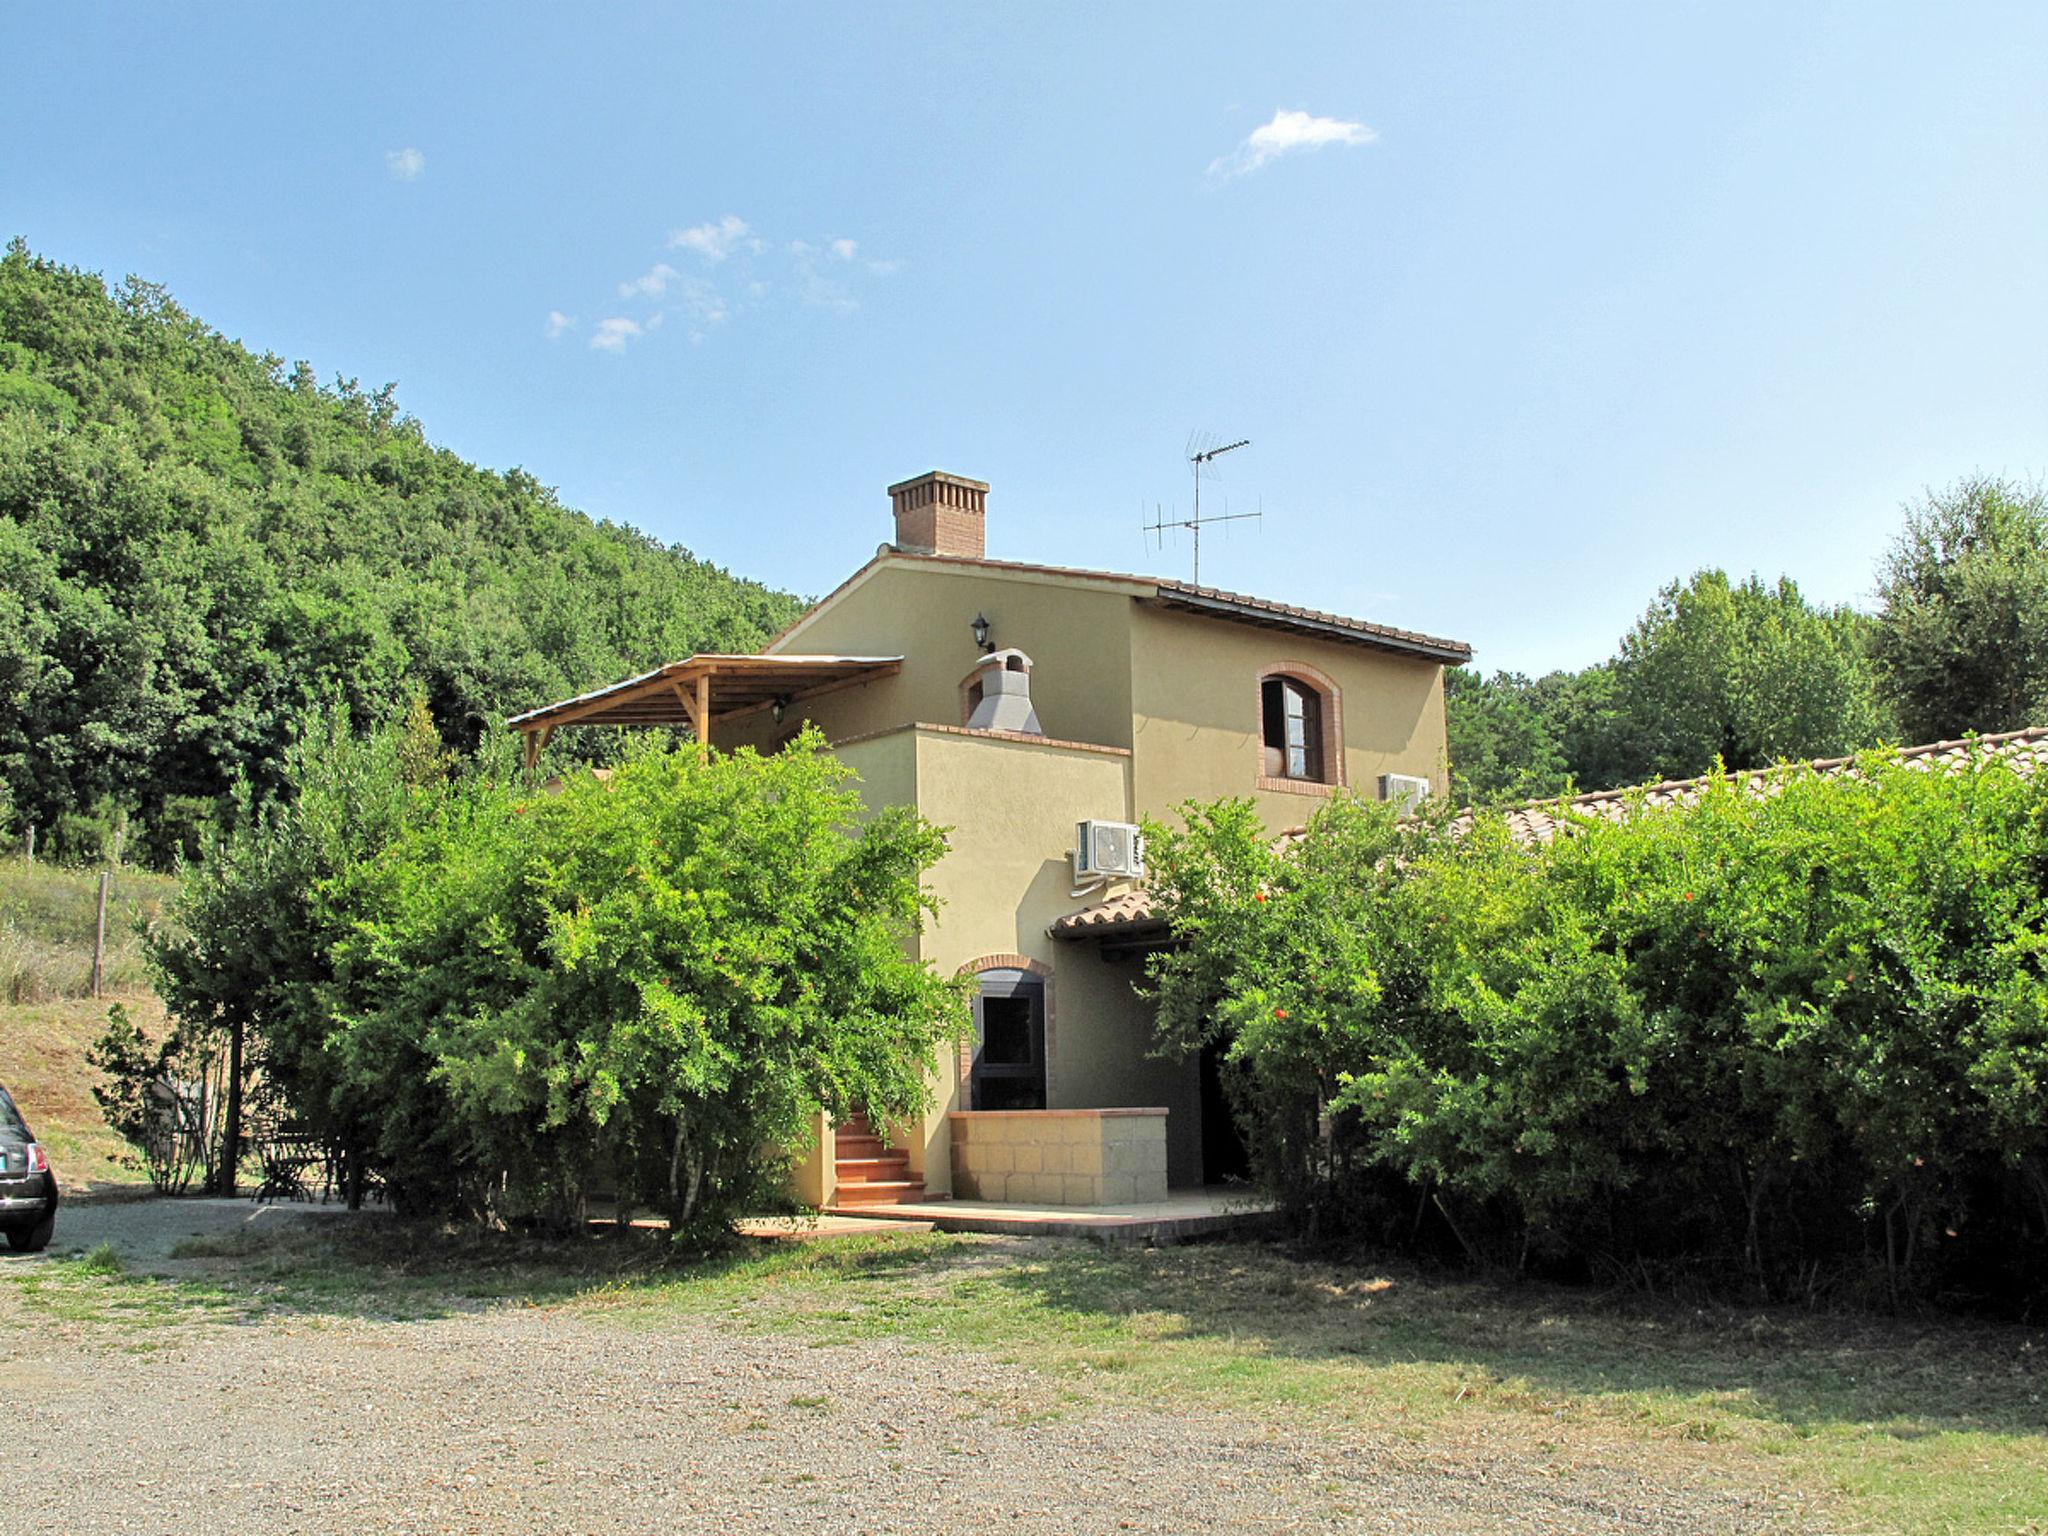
column 871, row 1172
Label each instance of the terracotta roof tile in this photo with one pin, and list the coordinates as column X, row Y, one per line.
column 1541, row 820
column 1180, row 594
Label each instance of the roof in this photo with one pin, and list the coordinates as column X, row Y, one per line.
column 1539, row 821
column 1332, row 626
column 732, row 684
column 1209, row 601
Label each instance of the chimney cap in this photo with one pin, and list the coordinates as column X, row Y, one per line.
column 942, row 477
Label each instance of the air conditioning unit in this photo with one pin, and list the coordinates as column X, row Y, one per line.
column 1112, row 849
column 1406, row 790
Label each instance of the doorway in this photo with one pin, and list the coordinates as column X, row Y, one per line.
column 1009, row 1042
column 1225, row 1159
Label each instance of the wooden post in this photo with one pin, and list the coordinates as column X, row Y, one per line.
column 231, row 1133
column 28, row 842
column 99, row 937
column 704, row 717
column 532, row 746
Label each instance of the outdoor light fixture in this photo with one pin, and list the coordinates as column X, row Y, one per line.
column 779, row 708
column 980, row 628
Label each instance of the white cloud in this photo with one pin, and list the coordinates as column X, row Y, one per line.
column 653, row 282
column 823, row 293
column 823, row 275
column 700, row 304
column 715, row 242
column 1287, row 132
column 816, row 290
column 613, row 334
column 406, row 164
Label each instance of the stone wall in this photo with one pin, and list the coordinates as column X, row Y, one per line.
column 1060, row 1156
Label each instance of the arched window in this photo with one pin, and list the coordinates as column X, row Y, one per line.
column 1294, row 729
column 1301, row 729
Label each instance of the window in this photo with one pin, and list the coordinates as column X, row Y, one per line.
column 1293, row 714
column 1008, row 1071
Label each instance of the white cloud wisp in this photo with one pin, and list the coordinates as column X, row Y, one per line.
column 406, row 164
column 717, row 240
column 1286, row 133
column 613, row 334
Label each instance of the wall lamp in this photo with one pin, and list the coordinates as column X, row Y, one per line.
column 980, row 628
column 779, row 708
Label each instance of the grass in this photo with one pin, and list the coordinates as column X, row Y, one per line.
column 47, row 915
column 42, row 1063
column 1895, row 1426
column 47, row 1019
column 96, row 1290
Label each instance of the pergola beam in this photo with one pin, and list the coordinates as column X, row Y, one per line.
column 709, row 688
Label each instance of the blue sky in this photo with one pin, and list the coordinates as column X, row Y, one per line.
column 1526, row 310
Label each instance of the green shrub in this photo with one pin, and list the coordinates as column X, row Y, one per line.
column 503, row 1000
column 1789, row 1040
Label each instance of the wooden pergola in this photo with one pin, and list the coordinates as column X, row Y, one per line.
column 700, row 692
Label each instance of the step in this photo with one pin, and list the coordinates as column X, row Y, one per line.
column 861, row 1146
column 886, row 1192
column 873, row 1170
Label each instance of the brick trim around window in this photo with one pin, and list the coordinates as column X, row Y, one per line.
column 1332, row 699
column 1043, row 972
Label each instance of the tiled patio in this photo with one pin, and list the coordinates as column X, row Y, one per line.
column 1182, row 1214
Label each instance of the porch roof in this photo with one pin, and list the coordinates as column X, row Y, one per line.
column 724, row 685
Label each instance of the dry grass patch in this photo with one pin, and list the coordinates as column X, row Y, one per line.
column 42, row 1062
column 47, row 1019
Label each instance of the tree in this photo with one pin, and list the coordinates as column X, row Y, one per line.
column 1748, row 674
column 499, row 999
column 1805, row 1026
column 200, row 549
column 1505, row 735
column 1962, row 631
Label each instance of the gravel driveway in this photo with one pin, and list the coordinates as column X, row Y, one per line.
column 532, row 1419
column 145, row 1231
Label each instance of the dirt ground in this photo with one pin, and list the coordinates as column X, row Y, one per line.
column 533, row 1419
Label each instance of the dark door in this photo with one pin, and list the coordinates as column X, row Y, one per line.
column 1009, row 1042
column 1224, row 1158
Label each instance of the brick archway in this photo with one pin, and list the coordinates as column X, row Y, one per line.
column 1331, row 697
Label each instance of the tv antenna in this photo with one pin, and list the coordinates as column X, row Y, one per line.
column 1201, row 458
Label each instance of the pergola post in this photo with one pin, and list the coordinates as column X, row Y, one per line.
column 704, row 716
column 536, row 742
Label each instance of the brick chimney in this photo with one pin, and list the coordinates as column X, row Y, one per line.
column 940, row 514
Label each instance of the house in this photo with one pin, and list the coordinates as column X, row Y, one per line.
column 1010, row 703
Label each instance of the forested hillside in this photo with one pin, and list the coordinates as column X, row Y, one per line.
column 198, row 544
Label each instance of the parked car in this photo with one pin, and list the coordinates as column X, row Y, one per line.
column 28, row 1185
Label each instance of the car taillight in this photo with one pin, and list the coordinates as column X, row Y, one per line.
column 38, row 1159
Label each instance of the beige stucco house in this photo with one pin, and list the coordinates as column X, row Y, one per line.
column 1010, row 702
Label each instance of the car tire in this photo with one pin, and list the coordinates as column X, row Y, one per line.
column 33, row 1239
